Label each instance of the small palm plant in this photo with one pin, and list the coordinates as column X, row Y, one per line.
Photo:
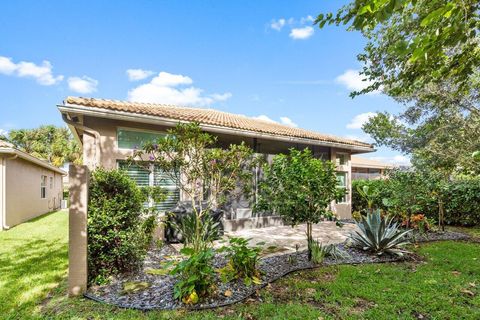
column 380, row 235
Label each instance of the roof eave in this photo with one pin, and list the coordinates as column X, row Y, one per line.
column 137, row 117
column 31, row 159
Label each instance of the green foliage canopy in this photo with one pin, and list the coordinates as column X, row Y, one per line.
column 412, row 43
column 54, row 144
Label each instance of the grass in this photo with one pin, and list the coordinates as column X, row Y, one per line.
column 33, row 261
column 446, row 285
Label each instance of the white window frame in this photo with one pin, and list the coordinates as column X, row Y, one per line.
column 43, row 187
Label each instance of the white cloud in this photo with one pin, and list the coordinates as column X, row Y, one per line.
column 138, row 74
column 82, row 85
column 398, row 160
column 306, row 19
column 283, row 120
column 354, row 81
column 24, row 69
column 170, row 88
column 288, row 122
column 301, row 33
column 278, row 24
column 3, row 132
column 360, row 119
column 221, row 97
column 7, row 66
column 265, row 118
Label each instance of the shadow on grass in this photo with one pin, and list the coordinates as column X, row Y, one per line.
column 33, row 260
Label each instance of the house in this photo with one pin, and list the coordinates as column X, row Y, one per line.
column 29, row 187
column 110, row 130
column 364, row 168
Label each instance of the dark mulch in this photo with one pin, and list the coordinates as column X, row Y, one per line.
column 159, row 294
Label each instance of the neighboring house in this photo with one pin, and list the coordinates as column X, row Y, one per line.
column 109, row 130
column 363, row 168
column 29, row 187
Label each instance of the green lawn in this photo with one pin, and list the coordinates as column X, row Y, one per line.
column 446, row 285
column 33, row 260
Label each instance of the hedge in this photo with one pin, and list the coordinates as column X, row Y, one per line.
column 461, row 199
column 118, row 234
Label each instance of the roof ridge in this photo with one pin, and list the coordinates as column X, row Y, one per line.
column 209, row 116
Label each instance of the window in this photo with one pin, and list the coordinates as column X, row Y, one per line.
column 51, row 182
column 130, row 139
column 43, row 187
column 342, row 184
column 341, row 159
column 153, row 176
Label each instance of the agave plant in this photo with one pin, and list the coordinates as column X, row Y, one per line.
column 380, row 235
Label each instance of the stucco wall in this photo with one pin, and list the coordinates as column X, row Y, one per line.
column 110, row 153
column 22, row 195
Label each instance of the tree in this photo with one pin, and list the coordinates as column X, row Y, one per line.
column 444, row 140
column 208, row 176
column 300, row 188
column 53, row 144
column 413, row 43
column 426, row 55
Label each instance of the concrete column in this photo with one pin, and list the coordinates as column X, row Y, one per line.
column 77, row 230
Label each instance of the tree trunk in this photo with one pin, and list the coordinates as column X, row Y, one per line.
column 309, row 240
column 441, row 215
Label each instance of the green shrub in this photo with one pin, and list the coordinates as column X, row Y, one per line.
column 408, row 193
column 196, row 275
column 463, row 202
column 320, row 251
column 360, row 204
column 242, row 261
column 118, row 236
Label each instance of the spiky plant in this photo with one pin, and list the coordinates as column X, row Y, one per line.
column 380, row 235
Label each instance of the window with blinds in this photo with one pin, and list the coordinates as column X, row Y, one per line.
column 153, row 176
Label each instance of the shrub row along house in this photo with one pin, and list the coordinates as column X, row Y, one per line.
column 29, row 187
column 110, row 130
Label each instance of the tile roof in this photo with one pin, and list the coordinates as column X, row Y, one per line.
column 5, row 144
column 210, row 117
column 369, row 163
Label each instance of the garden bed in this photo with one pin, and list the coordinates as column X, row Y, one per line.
column 154, row 289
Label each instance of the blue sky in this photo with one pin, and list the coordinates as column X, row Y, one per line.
column 257, row 58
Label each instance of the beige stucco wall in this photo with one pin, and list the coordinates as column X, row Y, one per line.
column 110, row 153
column 22, row 191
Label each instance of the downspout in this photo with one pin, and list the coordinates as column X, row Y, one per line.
column 91, row 132
column 2, row 194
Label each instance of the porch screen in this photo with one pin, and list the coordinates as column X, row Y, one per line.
column 153, row 176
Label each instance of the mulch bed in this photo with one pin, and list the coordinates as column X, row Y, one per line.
column 159, row 293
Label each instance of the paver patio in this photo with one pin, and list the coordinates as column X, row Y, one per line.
column 286, row 238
